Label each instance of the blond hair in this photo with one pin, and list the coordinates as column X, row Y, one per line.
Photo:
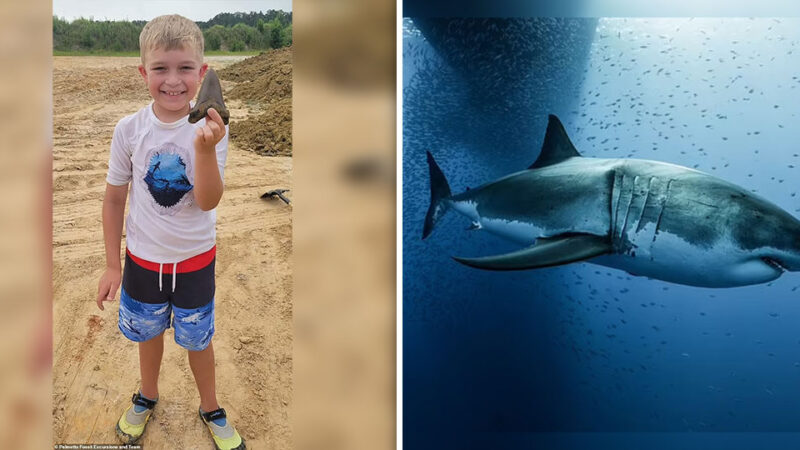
column 171, row 32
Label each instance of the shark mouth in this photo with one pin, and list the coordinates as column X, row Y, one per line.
column 774, row 264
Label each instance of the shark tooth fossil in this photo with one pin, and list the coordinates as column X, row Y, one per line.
column 210, row 96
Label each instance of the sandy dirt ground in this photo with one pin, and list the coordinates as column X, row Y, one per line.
column 95, row 368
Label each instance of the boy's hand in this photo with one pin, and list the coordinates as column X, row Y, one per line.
column 107, row 289
column 212, row 132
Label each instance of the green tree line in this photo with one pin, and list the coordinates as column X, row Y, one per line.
column 251, row 18
column 226, row 32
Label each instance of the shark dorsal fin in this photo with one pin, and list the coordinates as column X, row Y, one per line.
column 556, row 147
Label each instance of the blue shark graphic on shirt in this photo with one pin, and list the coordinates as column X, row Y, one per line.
column 166, row 178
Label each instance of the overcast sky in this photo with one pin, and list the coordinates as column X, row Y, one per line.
column 197, row 10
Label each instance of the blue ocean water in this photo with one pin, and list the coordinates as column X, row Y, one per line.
column 585, row 348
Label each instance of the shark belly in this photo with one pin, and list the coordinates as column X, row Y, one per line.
column 678, row 261
column 520, row 231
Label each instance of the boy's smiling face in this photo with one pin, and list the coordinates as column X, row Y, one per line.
column 173, row 78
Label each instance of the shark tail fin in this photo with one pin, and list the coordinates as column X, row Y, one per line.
column 440, row 192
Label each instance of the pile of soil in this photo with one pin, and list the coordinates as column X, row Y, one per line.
column 264, row 83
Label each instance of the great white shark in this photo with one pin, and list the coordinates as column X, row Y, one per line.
column 648, row 218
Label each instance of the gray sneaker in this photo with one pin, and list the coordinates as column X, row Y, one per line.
column 131, row 424
column 225, row 435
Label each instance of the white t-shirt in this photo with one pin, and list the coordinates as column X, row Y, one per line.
column 164, row 224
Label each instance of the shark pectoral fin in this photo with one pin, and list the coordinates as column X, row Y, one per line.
column 546, row 253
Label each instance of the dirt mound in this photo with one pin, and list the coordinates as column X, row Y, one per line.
column 268, row 134
column 266, row 77
column 265, row 83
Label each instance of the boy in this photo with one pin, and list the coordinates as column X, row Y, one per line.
column 175, row 173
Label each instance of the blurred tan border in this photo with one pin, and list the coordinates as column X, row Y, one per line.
column 344, row 224
column 25, row 185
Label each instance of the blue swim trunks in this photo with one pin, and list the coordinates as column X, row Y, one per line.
column 153, row 295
